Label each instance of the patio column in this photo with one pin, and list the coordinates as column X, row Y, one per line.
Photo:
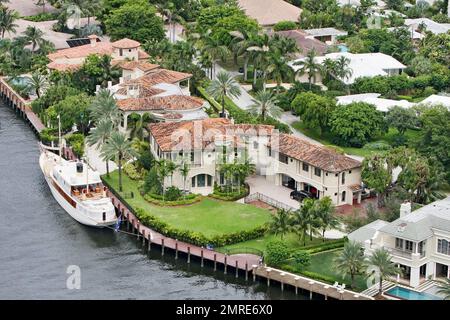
column 359, row 197
column 414, row 280
column 431, row 270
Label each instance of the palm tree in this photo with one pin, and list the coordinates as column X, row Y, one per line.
column 300, row 224
column 259, row 53
column 240, row 43
column 34, row 36
column 104, row 106
column 38, row 83
column 168, row 10
column 342, row 69
column 110, row 72
column 138, row 125
column 278, row 68
column 184, row 171
column 118, row 147
column 40, row 3
column 328, row 68
column 444, row 289
column 350, row 261
column 163, row 173
column 281, row 223
column 309, row 66
column 171, row 167
column 215, row 49
column 326, row 216
column 100, row 135
column 381, row 260
column 264, row 104
column 7, row 21
column 224, row 86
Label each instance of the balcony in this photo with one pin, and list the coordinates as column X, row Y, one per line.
column 403, row 253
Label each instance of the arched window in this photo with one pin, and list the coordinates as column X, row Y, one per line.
column 343, row 178
column 343, row 196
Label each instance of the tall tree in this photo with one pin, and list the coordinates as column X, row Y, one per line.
column 278, row 68
column 99, row 136
column 104, row 106
column 350, row 261
column 184, row 170
column 34, row 36
column 222, row 87
column 376, row 175
column 38, row 83
column 309, row 66
column 325, row 213
column 265, row 104
column 118, row 147
column 281, row 223
column 384, row 267
column 8, row 21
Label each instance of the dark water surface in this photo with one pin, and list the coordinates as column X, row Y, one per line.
column 38, row 241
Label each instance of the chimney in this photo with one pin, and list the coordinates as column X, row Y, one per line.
column 93, row 39
column 405, row 208
column 109, row 84
column 121, row 80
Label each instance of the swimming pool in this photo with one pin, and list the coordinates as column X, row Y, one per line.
column 343, row 48
column 408, row 294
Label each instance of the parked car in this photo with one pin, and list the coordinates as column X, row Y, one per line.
column 299, row 195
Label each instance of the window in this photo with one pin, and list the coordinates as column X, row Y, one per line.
column 209, row 180
column 317, row 172
column 269, row 152
column 343, row 178
column 350, row 172
column 408, row 245
column 193, row 182
column 121, row 52
column 283, row 158
column 255, row 144
column 201, row 180
column 305, row 167
column 443, row 247
column 343, row 196
column 222, row 179
column 399, row 243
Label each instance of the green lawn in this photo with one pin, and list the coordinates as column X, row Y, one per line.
column 209, row 216
column 322, row 263
column 325, row 138
column 291, row 240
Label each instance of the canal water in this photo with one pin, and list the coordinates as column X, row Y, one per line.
column 39, row 241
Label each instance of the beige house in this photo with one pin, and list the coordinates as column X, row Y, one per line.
column 282, row 159
column 73, row 58
column 270, row 12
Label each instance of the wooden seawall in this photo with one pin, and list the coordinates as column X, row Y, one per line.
column 21, row 106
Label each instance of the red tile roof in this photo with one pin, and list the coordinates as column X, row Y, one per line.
column 318, row 156
column 126, row 44
column 202, row 133
column 158, row 76
column 142, row 65
column 303, row 43
column 171, row 102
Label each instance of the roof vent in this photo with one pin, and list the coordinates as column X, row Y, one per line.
column 401, row 227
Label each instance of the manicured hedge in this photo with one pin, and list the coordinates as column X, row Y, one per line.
column 158, row 200
column 329, row 245
column 233, row 196
column 197, row 238
column 308, row 274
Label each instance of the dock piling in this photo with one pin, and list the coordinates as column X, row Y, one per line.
column 176, row 249
column 237, row 270
column 246, row 271
column 201, row 258
column 215, row 261
column 189, row 255
column 225, row 264
column 162, row 246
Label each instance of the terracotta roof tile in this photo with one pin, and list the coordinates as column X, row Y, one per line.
column 143, row 92
column 142, row 65
column 158, row 76
column 126, row 44
column 318, row 156
column 172, row 103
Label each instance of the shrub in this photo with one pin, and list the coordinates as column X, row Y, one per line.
column 131, row 171
column 157, row 199
column 172, row 194
column 285, row 25
column 301, row 258
column 48, row 135
column 277, row 253
column 152, row 183
column 146, row 160
column 218, row 193
column 43, row 16
column 76, row 141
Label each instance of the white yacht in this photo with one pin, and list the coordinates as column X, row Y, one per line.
column 78, row 189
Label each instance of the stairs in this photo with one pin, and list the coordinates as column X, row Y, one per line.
column 425, row 285
column 373, row 290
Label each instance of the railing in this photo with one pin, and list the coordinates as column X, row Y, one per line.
column 404, row 253
column 270, row 201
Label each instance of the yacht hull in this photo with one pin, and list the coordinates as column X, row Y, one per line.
column 67, row 203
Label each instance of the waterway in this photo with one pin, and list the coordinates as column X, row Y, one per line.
column 39, row 241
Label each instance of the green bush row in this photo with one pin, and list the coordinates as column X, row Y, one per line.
column 330, row 245
column 197, row 238
column 43, row 16
column 158, row 200
column 308, row 274
column 229, row 196
column 76, row 141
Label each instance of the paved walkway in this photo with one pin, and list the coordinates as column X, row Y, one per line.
column 95, row 160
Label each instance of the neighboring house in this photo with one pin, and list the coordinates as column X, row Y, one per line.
column 327, row 35
column 71, row 59
column 283, row 159
column 381, row 104
column 163, row 94
column 304, row 43
column 436, row 99
column 362, row 65
column 418, row 241
column 270, row 12
column 413, row 33
column 379, row 4
column 430, row 25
